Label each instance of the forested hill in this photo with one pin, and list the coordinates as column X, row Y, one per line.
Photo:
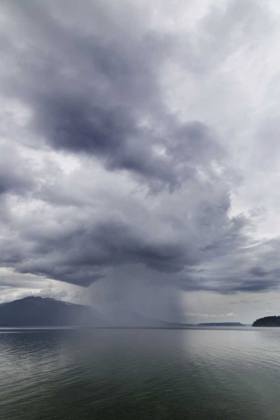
column 38, row 311
column 268, row 321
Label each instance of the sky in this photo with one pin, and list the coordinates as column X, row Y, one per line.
column 139, row 156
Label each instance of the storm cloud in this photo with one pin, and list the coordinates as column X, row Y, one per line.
column 128, row 141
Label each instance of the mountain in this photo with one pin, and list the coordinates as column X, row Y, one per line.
column 221, row 324
column 267, row 321
column 35, row 311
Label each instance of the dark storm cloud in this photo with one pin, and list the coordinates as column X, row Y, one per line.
column 99, row 93
column 234, row 271
column 231, row 286
column 80, row 256
column 87, row 93
column 258, row 271
column 15, row 176
column 248, row 285
column 90, row 79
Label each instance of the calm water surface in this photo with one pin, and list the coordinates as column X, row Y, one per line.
column 140, row 374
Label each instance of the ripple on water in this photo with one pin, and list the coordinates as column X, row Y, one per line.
column 147, row 374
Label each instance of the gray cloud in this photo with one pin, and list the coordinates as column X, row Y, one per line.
column 99, row 94
column 99, row 171
column 88, row 93
column 15, row 176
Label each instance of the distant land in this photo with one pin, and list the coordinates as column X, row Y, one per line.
column 221, row 324
column 267, row 321
column 35, row 311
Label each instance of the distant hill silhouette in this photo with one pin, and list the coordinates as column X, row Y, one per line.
column 37, row 311
column 267, row 321
column 221, row 324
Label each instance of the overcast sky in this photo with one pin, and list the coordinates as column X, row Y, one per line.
column 139, row 155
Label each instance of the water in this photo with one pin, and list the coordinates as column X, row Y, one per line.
column 140, row 374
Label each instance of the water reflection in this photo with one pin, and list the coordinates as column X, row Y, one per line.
column 145, row 374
